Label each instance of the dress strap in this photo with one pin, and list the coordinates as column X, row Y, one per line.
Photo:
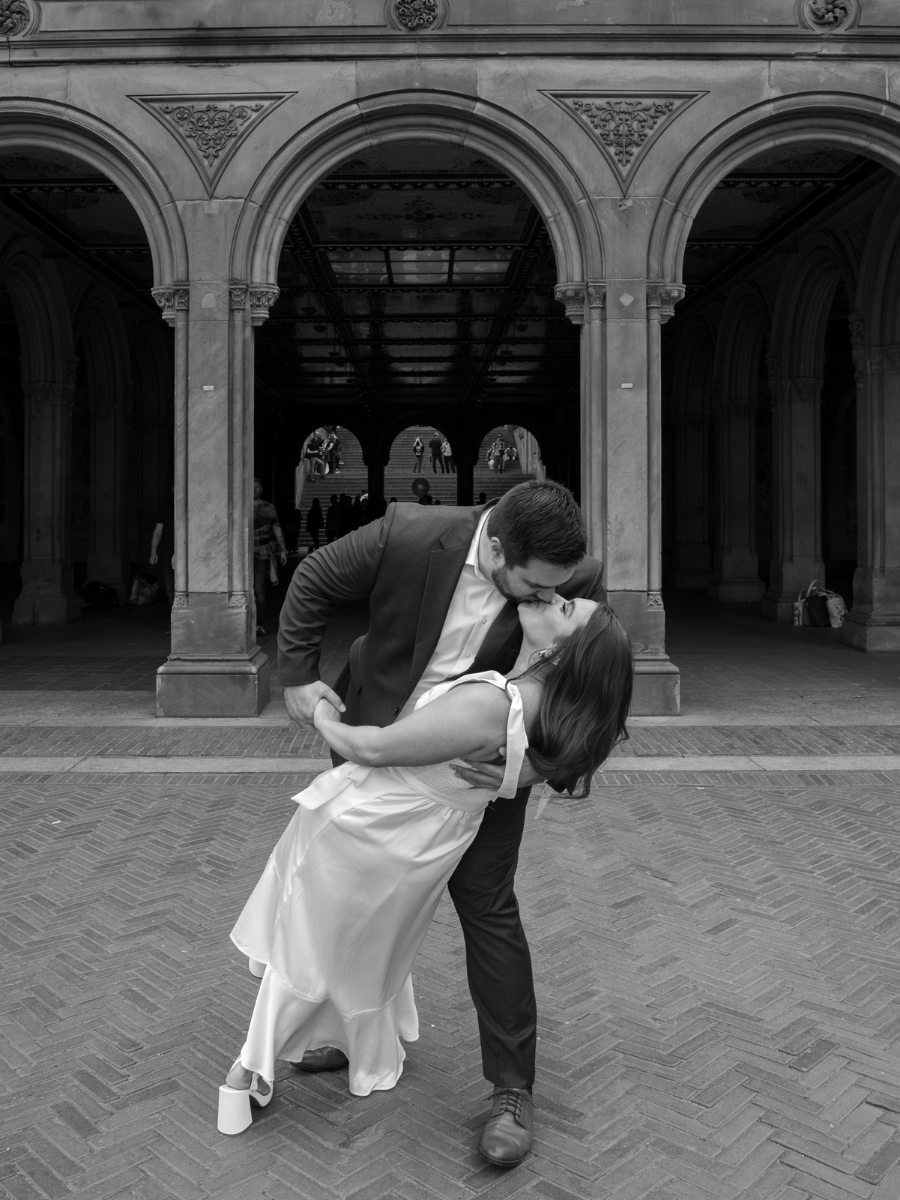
column 516, row 743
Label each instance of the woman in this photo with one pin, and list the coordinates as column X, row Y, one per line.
column 418, row 454
column 350, row 890
column 314, row 523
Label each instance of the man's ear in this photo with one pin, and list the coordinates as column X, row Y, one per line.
column 497, row 555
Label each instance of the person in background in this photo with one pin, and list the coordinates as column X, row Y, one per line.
column 315, row 463
column 500, row 455
column 267, row 533
column 314, row 523
column 447, row 452
column 332, row 520
column 418, row 455
column 162, row 545
column 482, row 497
column 334, row 454
column 437, row 458
column 345, row 515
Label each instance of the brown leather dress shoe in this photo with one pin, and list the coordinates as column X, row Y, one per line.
column 509, row 1131
column 326, row 1058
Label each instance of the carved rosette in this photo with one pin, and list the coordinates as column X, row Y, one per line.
column 261, row 300
column 181, row 600
column 211, row 127
column 624, row 124
column 572, row 296
column 237, row 600
column 172, row 300
column 18, row 17
column 828, row 16
column 664, row 296
column 415, row 16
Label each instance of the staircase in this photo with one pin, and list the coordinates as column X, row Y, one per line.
column 488, row 481
column 399, row 475
column 352, row 477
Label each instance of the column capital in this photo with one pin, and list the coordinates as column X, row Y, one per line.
column 261, row 300
column 803, row 389
column 572, row 296
column 664, row 296
column 237, row 297
column 596, row 293
column 884, row 360
column 172, row 299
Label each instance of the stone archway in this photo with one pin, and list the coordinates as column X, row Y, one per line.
column 36, row 127
column 860, row 126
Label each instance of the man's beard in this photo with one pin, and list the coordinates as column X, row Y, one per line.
column 500, row 580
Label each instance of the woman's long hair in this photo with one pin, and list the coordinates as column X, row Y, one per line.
column 587, row 694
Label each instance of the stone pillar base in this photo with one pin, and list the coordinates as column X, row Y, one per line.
column 865, row 632
column 735, row 591
column 779, row 607
column 236, row 687
column 657, row 688
column 44, row 604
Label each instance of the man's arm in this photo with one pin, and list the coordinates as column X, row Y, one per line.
column 344, row 570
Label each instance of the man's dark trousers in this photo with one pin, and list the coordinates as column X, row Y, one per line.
column 497, row 956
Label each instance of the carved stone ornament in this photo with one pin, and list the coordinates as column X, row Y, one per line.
column 237, row 297
column 572, row 296
column 884, row 360
column 624, row 124
column 18, row 17
column 237, row 600
column 261, row 300
column 596, row 295
column 654, row 600
column 664, row 296
column 181, row 600
column 211, row 127
column 415, row 16
column 805, row 389
column 171, row 300
column 828, row 16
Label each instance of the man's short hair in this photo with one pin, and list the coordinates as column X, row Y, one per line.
column 539, row 519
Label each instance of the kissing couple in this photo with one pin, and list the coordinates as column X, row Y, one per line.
column 491, row 663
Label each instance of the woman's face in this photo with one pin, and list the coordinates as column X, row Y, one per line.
column 543, row 624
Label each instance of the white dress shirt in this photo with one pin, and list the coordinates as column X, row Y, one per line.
column 475, row 604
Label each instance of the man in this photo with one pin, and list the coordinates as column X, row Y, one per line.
column 266, row 533
column 443, row 585
column 437, row 458
column 447, row 452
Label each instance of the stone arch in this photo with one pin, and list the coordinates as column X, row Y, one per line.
column 42, row 313
column 803, row 302
column 450, row 428
column 29, row 124
column 501, row 136
column 858, row 123
column 745, row 325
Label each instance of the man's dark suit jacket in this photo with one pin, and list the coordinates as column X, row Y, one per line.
column 407, row 564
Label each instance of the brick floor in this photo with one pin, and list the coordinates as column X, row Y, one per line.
column 717, row 974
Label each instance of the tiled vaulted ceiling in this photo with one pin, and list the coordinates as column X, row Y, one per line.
column 418, row 273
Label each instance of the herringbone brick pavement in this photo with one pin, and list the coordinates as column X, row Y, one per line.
column 255, row 740
column 718, row 979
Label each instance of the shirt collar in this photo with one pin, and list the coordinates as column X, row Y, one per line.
column 472, row 556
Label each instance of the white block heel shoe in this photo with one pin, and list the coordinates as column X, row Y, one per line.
column 234, row 1104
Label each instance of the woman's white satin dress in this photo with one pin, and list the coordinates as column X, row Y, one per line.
column 346, row 899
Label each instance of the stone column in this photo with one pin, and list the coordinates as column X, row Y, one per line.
column 106, row 558
column 47, row 596
column 736, row 563
column 620, row 457
column 873, row 622
column 215, row 668
column 797, row 499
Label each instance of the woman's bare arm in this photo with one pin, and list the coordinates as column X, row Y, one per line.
column 468, row 721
